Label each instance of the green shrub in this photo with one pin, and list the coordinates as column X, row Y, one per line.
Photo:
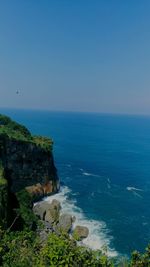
column 13, row 128
column 24, row 249
column 140, row 260
column 19, row 249
column 25, row 209
column 62, row 251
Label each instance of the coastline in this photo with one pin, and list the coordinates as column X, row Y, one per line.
column 98, row 238
column 116, row 203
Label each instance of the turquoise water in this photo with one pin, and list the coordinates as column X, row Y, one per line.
column 103, row 162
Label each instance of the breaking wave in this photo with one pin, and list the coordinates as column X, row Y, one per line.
column 98, row 232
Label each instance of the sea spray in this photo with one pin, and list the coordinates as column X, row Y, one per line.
column 98, row 233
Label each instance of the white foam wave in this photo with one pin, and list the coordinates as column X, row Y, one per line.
column 108, row 180
column 98, row 233
column 68, row 165
column 134, row 190
column 90, row 174
column 137, row 195
column 131, row 188
column 108, row 183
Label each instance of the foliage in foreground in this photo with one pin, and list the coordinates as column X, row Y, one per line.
column 21, row 249
column 64, row 252
column 24, row 248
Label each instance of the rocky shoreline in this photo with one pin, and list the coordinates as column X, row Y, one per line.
column 53, row 219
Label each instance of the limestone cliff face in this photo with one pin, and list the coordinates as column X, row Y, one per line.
column 26, row 161
column 4, row 198
column 26, row 164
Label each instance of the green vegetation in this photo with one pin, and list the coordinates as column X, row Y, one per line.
column 24, row 211
column 21, row 249
column 3, row 198
column 3, row 181
column 62, row 251
column 13, row 130
column 45, row 142
column 20, row 244
column 140, row 260
column 24, row 248
column 18, row 249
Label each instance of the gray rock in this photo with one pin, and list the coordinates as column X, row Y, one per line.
column 47, row 227
column 73, row 219
column 43, row 231
column 80, row 232
column 40, row 209
column 65, row 223
column 53, row 211
column 56, row 204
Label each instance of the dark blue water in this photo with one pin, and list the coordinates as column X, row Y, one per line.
column 106, row 160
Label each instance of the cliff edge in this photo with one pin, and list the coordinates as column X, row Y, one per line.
column 26, row 162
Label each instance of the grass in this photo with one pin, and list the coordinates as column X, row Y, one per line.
column 44, row 142
column 13, row 130
column 14, row 134
column 3, row 181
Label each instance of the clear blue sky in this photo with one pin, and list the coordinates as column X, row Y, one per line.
column 78, row 55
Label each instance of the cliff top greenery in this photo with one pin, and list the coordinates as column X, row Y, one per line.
column 3, row 181
column 14, row 130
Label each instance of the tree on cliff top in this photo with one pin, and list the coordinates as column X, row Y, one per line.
column 11, row 125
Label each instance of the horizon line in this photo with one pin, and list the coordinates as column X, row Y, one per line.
column 78, row 111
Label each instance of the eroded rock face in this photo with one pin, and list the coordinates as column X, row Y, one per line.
column 80, row 232
column 3, row 204
column 27, row 160
column 35, row 190
column 49, row 213
column 43, row 231
column 65, row 223
column 56, row 204
column 27, row 164
column 40, row 209
column 53, row 212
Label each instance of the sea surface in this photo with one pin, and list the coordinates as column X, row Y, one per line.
column 103, row 162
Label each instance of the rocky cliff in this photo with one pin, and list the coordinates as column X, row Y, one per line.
column 26, row 161
column 3, row 198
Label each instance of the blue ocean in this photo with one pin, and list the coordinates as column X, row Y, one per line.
column 103, row 162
